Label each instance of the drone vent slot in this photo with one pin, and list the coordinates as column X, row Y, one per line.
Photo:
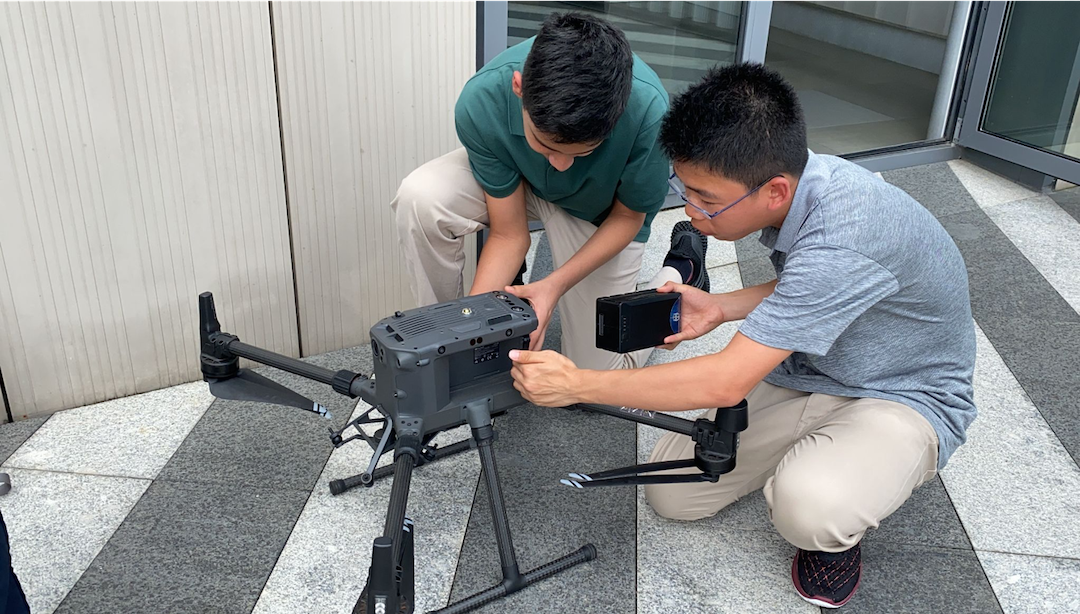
column 441, row 317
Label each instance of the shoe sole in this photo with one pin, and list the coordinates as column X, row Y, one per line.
column 703, row 241
column 824, row 603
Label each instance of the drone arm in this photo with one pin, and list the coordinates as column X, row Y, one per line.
column 715, row 444
column 220, row 350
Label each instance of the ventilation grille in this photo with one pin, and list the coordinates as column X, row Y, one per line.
column 425, row 322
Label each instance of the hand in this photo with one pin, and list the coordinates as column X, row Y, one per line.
column 700, row 313
column 543, row 296
column 546, row 378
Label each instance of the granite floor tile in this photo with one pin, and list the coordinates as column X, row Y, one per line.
column 754, row 264
column 190, row 548
column 130, row 437
column 1048, row 237
column 58, row 522
column 705, row 568
column 536, row 448
column 14, row 434
column 1032, row 584
column 325, row 563
column 1069, row 200
column 1015, row 487
column 258, row 444
column 987, row 188
column 912, row 579
column 927, row 518
column 1003, row 284
column 935, row 186
column 1039, row 354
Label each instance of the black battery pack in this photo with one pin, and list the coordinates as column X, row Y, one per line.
column 635, row 321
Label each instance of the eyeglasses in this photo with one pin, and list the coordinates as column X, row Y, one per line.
column 682, row 195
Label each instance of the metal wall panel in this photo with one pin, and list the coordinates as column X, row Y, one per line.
column 140, row 164
column 367, row 94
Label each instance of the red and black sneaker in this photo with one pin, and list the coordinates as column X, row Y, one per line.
column 827, row 579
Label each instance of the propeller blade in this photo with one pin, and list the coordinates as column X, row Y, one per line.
column 250, row 386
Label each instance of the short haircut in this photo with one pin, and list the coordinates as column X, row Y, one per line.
column 577, row 78
column 742, row 122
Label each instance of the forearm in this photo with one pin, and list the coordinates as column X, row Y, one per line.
column 500, row 261
column 507, row 243
column 613, row 235
column 700, row 382
column 738, row 304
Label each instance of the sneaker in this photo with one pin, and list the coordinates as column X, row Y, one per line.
column 827, row 579
column 688, row 244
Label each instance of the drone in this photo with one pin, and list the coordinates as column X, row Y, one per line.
column 436, row 368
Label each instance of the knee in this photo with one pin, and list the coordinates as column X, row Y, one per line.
column 814, row 511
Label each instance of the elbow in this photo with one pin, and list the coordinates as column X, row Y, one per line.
column 516, row 240
column 725, row 395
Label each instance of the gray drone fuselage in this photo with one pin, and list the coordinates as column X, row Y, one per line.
column 432, row 361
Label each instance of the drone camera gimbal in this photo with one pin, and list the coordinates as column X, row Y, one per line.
column 437, row 368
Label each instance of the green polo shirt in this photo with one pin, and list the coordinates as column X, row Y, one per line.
column 628, row 165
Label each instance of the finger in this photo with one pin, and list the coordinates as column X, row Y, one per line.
column 540, row 339
column 669, row 346
column 669, row 286
column 522, row 356
column 676, row 338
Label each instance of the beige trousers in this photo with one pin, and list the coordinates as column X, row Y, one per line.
column 440, row 203
column 831, row 467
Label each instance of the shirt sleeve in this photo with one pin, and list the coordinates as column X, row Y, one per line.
column 821, row 291
column 498, row 178
column 643, row 184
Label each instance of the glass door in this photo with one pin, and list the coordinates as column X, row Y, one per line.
column 678, row 40
column 1026, row 88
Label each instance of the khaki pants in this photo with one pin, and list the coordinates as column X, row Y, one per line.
column 440, row 203
column 831, row 467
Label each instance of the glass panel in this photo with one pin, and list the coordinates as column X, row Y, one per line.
column 679, row 40
column 868, row 74
column 1035, row 85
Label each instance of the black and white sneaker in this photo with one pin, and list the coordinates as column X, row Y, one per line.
column 827, row 579
column 687, row 255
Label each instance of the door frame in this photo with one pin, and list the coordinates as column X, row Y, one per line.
column 972, row 137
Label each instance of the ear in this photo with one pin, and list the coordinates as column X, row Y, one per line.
column 779, row 190
column 515, row 83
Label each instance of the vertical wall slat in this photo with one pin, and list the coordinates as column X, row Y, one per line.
column 367, row 95
column 140, row 163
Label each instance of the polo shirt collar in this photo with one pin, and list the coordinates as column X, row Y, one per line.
column 813, row 179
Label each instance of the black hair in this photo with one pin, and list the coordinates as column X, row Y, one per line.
column 577, row 78
column 742, row 122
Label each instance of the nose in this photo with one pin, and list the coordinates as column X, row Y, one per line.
column 692, row 212
column 560, row 163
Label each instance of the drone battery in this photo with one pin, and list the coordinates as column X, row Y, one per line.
column 635, row 321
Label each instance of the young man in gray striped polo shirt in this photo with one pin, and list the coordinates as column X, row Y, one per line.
column 856, row 363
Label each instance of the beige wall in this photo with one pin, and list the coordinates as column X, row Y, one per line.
column 141, row 163
column 367, row 95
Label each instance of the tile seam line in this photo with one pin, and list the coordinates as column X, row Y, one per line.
column 81, row 473
column 461, row 548
column 1052, row 557
column 967, row 534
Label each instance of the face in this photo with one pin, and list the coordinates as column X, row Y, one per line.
column 559, row 155
column 766, row 207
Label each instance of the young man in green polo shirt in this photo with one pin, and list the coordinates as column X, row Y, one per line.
column 561, row 128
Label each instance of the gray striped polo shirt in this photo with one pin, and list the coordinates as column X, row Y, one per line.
column 872, row 298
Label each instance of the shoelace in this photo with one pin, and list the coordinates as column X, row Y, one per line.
column 830, row 576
